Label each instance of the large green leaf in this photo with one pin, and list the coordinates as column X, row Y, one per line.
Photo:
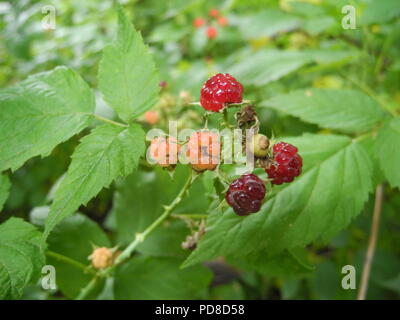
column 388, row 151
column 265, row 66
column 148, row 278
column 41, row 112
column 344, row 110
column 74, row 238
column 267, row 23
column 21, row 257
column 127, row 74
column 139, row 200
column 4, row 189
column 295, row 214
column 107, row 153
column 285, row 263
column 380, row 11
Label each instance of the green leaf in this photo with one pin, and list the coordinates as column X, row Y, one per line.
column 380, row 11
column 275, row 64
column 21, row 257
column 326, row 281
column 295, row 214
column 107, row 153
column 39, row 113
column 388, row 151
column 127, row 74
column 267, row 24
column 245, row 64
column 4, row 189
column 139, row 200
column 344, row 110
column 148, row 278
column 317, row 25
column 286, row 263
column 74, row 238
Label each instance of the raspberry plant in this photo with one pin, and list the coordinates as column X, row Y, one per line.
column 168, row 219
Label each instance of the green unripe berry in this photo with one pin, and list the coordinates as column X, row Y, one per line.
column 259, row 145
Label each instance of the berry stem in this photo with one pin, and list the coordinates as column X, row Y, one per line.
column 69, row 261
column 88, row 289
column 189, row 216
column 226, row 119
column 140, row 237
column 100, row 118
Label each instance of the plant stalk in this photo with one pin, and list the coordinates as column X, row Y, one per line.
column 69, row 261
column 100, row 118
column 371, row 243
column 140, row 237
column 88, row 289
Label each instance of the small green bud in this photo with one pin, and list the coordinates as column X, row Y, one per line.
column 259, row 145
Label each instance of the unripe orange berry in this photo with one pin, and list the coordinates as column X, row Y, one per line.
column 203, row 150
column 222, row 21
column 151, row 117
column 102, row 258
column 164, row 151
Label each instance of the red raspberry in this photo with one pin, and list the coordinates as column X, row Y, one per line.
column 198, row 22
column 211, row 32
column 245, row 194
column 163, row 84
column 286, row 164
column 213, row 13
column 219, row 90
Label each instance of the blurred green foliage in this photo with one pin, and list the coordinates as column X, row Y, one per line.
column 272, row 47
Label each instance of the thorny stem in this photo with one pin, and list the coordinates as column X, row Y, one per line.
column 139, row 238
column 189, row 216
column 371, row 243
column 226, row 118
column 88, row 289
column 100, row 118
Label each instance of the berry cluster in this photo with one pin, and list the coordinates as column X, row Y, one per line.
column 211, row 31
column 245, row 195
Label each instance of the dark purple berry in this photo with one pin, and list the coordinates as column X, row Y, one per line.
column 245, row 194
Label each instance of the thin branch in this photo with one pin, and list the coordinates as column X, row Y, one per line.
column 88, row 289
column 69, row 261
column 100, row 118
column 372, row 243
column 140, row 237
column 189, row 216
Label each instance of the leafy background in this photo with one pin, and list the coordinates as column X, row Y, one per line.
column 332, row 92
